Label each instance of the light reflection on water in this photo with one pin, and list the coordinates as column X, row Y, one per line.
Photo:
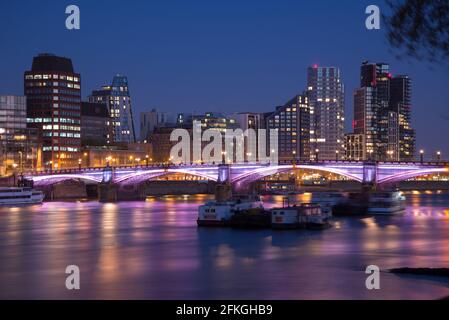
column 153, row 249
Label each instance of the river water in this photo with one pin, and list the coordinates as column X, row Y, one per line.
column 154, row 250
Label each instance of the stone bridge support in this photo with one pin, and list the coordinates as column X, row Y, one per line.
column 108, row 192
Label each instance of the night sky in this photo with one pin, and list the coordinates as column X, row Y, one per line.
column 223, row 56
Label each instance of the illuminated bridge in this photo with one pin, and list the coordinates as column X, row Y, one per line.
column 242, row 175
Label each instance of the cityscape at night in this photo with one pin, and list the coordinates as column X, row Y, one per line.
column 209, row 151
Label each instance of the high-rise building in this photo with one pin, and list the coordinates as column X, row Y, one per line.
column 382, row 113
column 370, row 72
column 391, row 137
column 118, row 100
column 365, row 118
column 326, row 101
column 371, row 116
column 95, row 124
column 53, row 91
column 19, row 147
column 400, row 102
column 293, row 123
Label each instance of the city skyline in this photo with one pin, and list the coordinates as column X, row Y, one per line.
column 168, row 82
column 382, row 108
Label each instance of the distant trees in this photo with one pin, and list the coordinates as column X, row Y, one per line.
column 419, row 28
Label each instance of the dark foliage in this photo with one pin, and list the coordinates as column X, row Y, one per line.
column 419, row 28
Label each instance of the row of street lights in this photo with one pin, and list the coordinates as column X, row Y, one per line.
column 389, row 152
column 132, row 160
column 317, row 152
column 421, row 154
column 109, row 159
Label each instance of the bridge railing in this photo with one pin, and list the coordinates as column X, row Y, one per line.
column 169, row 166
column 98, row 169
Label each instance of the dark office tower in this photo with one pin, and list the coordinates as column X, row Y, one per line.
column 293, row 123
column 382, row 114
column 326, row 102
column 372, row 114
column 365, row 118
column 53, row 92
column 118, row 100
column 386, row 123
column 95, row 124
column 400, row 102
column 369, row 73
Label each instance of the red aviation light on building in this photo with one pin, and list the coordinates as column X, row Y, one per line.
column 315, row 66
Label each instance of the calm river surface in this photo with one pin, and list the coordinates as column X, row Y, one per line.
column 154, row 250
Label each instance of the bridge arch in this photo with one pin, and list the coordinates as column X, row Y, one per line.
column 53, row 179
column 257, row 174
column 141, row 176
column 401, row 176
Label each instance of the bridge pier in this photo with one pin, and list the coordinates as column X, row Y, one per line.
column 108, row 192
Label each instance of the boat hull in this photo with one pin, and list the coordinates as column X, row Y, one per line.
column 287, row 226
column 251, row 220
column 212, row 223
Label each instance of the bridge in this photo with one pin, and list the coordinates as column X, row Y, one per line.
column 242, row 175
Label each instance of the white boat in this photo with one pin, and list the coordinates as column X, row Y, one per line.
column 219, row 213
column 20, row 196
column 386, row 203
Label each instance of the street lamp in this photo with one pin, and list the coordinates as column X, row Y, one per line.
column 371, row 151
column 438, row 156
column 390, row 154
column 86, row 161
column 146, row 159
column 336, row 155
column 421, row 154
column 79, row 163
column 317, row 151
column 21, row 162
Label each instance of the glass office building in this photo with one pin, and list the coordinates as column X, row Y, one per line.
column 293, row 123
column 118, row 100
column 18, row 144
column 326, row 101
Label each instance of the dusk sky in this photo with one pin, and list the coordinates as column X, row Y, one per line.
column 223, row 56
